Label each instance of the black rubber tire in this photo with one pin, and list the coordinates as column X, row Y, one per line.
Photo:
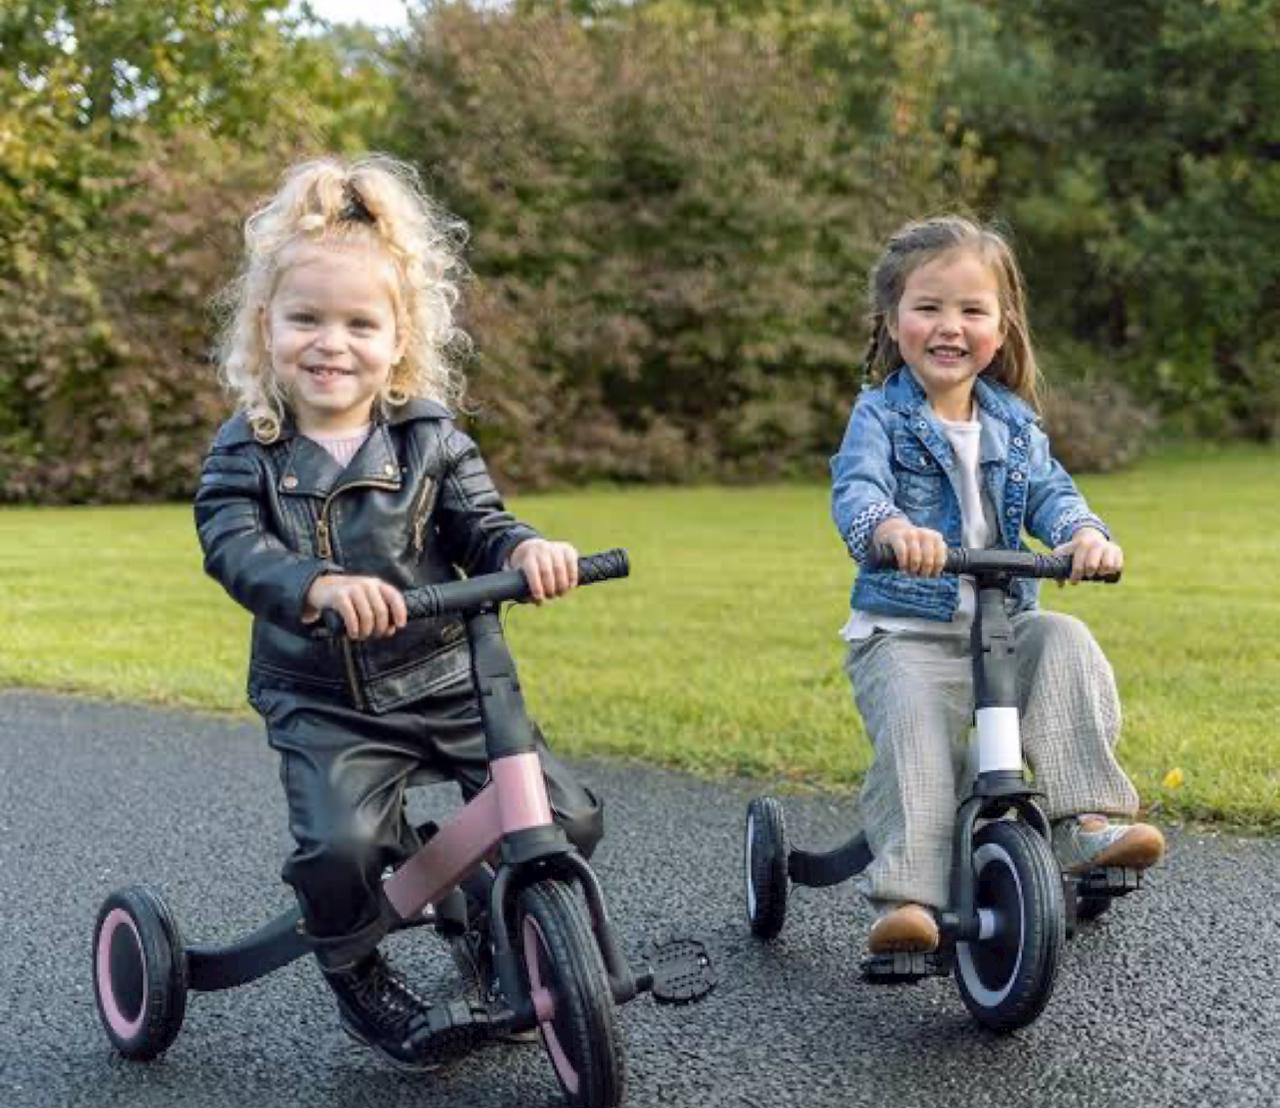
column 139, row 972
column 765, row 866
column 582, row 1038
column 1007, row 979
column 1091, row 907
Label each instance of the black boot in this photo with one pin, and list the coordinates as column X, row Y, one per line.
column 378, row 1009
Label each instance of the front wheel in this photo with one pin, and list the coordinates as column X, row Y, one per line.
column 571, row 995
column 139, row 972
column 1006, row 976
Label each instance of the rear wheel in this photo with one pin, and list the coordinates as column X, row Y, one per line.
column 139, row 972
column 1006, row 977
column 765, row 862
column 571, row 995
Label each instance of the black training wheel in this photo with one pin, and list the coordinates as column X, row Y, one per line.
column 1007, row 975
column 139, row 972
column 765, row 863
column 571, row 995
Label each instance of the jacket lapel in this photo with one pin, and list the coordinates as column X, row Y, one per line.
column 375, row 462
column 310, row 470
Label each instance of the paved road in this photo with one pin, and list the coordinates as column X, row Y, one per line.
column 1173, row 1000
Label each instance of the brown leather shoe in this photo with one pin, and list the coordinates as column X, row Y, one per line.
column 907, row 929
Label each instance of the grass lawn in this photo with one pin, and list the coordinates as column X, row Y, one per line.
column 720, row 654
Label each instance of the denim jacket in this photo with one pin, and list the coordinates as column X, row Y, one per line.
column 895, row 461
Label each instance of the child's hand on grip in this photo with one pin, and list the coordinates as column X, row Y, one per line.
column 919, row 551
column 1092, row 554
column 551, row 568
column 369, row 607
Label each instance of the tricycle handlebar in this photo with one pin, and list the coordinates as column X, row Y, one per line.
column 491, row 588
column 1012, row 563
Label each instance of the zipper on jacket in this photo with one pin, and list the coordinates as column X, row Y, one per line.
column 421, row 512
column 324, row 547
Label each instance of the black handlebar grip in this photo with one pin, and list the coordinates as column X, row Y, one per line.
column 605, row 566
column 422, row 602
column 333, row 622
column 1058, row 568
column 1055, row 566
column 495, row 588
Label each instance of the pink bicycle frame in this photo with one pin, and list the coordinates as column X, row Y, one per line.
column 514, row 800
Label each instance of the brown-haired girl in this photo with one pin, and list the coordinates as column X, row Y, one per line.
column 944, row 449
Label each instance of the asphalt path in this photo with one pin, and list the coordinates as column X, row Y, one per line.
column 1171, row 1000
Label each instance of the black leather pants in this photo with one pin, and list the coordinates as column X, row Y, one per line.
column 344, row 774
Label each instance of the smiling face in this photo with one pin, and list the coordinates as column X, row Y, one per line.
column 949, row 327
column 330, row 329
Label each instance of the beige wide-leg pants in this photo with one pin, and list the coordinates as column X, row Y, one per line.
column 915, row 694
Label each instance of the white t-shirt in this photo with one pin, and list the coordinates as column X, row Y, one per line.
column 977, row 529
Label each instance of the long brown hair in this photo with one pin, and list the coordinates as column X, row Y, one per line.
column 918, row 243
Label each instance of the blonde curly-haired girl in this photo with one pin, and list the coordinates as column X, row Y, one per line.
column 372, row 208
column 340, row 482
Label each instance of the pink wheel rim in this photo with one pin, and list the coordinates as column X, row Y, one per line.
column 117, row 1021
column 544, row 1005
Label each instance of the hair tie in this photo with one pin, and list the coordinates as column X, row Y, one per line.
column 355, row 211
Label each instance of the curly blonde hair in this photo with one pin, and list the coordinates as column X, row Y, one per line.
column 371, row 200
column 918, row 243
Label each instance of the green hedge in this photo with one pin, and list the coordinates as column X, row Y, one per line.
column 673, row 205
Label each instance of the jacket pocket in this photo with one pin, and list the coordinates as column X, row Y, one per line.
column 919, row 478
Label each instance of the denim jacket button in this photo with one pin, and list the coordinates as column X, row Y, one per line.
column 921, row 425
column 1012, row 512
column 289, row 481
column 1016, row 475
column 1017, row 441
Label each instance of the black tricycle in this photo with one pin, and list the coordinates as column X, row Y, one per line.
column 1011, row 906
column 559, row 965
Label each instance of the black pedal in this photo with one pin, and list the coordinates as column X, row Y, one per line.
column 454, row 1027
column 680, row 970
column 1110, row 881
column 904, row 968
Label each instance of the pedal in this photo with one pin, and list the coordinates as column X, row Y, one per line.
column 453, row 1028
column 680, row 970
column 904, row 968
column 1109, row 881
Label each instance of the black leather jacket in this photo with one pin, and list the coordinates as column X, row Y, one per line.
column 414, row 505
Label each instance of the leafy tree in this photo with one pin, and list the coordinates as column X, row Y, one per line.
column 1137, row 146
column 134, row 137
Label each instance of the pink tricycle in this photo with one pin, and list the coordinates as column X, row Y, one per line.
column 557, row 961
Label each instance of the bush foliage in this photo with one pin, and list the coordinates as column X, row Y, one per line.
column 673, row 206
column 672, row 219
